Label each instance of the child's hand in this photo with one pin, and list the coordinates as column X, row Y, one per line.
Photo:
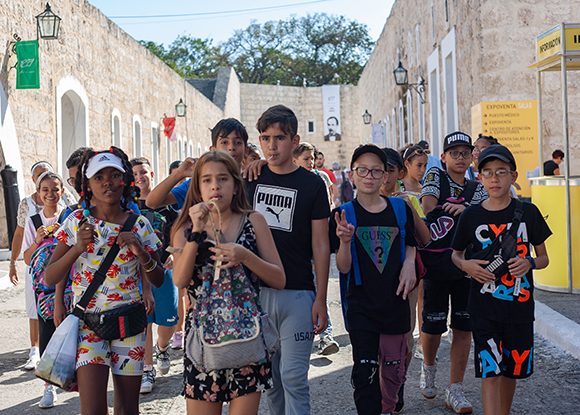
column 41, row 233
column 519, row 266
column 168, row 262
column 186, row 167
column 85, row 236
column 59, row 312
column 475, row 269
column 199, row 215
column 344, row 230
column 231, row 254
column 253, row 170
column 132, row 242
column 453, row 208
column 149, row 301
column 407, row 279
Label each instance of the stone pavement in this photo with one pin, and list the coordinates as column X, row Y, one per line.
column 552, row 389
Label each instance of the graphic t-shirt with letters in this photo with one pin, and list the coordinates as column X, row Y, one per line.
column 290, row 202
column 505, row 298
column 374, row 305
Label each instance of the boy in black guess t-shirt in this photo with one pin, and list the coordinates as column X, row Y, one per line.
column 501, row 306
column 378, row 314
column 294, row 202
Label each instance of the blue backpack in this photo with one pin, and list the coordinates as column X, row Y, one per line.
column 399, row 207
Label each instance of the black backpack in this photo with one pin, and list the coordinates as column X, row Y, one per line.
column 436, row 255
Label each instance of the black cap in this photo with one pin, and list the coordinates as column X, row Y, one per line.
column 368, row 148
column 496, row 152
column 423, row 144
column 455, row 139
column 393, row 158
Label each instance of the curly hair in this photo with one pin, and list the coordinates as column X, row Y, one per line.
column 130, row 191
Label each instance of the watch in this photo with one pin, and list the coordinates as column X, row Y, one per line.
column 532, row 261
column 197, row 237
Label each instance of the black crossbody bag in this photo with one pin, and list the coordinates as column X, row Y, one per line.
column 119, row 323
column 503, row 247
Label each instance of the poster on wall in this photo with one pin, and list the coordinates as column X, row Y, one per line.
column 515, row 125
column 378, row 134
column 331, row 112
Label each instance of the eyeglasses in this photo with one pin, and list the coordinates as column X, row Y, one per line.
column 455, row 154
column 413, row 151
column 71, row 181
column 489, row 173
column 364, row 172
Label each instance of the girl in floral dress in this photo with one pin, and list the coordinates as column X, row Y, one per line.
column 216, row 179
column 85, row 238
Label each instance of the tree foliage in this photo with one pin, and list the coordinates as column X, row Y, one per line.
column 313, row 50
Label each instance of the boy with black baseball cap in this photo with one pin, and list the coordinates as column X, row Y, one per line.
column 373, row 238
column 445, row 195
column 501, row 302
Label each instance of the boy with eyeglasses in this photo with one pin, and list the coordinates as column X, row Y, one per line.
column 501, row 306
column 445, row 195
column 377, row 314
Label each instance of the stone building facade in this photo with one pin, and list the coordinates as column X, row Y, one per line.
column 307, row 103
column 467, row 52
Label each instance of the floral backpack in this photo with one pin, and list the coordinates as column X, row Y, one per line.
column 228, row 327
column 44, row 292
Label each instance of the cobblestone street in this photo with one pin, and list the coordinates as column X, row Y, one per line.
column 553, row 389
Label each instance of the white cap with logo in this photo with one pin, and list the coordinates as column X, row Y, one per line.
column 102, row 160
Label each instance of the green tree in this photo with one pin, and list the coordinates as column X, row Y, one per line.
column 314, row 50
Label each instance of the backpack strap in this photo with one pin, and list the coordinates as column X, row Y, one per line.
column 36, row 221
column 469, row 190
column 101, row 274
column 444, row 188
column 348, row 208
column 518, row 214
column 399, row 206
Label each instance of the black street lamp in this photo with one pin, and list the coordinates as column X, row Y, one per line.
column 402, row 79
column 400, row 73
column 180, row 108
column 47, row 24
column 367, row 117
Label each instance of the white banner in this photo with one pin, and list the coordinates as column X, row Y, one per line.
column 331, row 112
column 378, row 134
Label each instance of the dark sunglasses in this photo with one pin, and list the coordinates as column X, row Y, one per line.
column 413, row 151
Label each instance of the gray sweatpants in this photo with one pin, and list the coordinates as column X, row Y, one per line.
column 291, row 313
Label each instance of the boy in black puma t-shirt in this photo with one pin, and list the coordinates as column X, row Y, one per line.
column 501, row 306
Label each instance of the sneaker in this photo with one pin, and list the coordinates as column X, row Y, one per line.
column 48, row 397
column 33, row 359
column 163, row 359
column 455, row 399
column 147, row 381
column 419, row 351
column 177, row 340
column 327, row 346
column 427, row 382
column 401, row 401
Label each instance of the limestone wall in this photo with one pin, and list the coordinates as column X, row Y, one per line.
column 495, row 44
column 306, row 102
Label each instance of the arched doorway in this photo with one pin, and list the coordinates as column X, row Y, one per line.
column 72, row 119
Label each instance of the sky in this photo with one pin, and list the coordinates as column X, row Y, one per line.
column 217, row 20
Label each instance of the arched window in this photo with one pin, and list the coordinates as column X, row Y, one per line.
column 155, row 150
column 116, row 128
column 137, row 140
column 401, row 125
column 409, row 108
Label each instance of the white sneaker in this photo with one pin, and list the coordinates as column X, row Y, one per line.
column 33, row 359
column 48, row 397
column 427, row 382
column 455, row 399
column 327, row 346
column 163, row 360
column 147, row 381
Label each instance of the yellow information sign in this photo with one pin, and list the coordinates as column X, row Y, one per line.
column 515, row 125
column 561, row 39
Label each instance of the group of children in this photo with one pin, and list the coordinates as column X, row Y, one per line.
column 277, row 225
